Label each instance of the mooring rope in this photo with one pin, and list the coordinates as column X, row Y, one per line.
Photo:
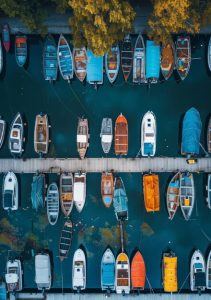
column 183, row 283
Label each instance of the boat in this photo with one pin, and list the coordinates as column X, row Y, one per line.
column 107, row 188
column 138, row 272
column 80, row 62
column 13, row 276
column 187, row 194
column 52, row 203
column 151, row 192
column 152, row 62
column 108, row 271
column 43, row 271
column 16, row 136
column 66, row 193
column 173, row 195
column 65, row 59
column 209, row 54
column 10, row 191
column 112, row 63
column 41, row 134
column 208, row 188
column 38, row 191
column 79, row 190
column 79, row 270
column 65, row 240
column 208, row 271
column 121, row 135
column 94, row 69
column 6, row 37
column 167, row 60
column 139, row 60
column 3, row 290
column 197, row 272
column 50, row 63
column 126, row 57
column 21, row 50
column 1, row 57
column 122, row 275
column 209, row 136
column 169, row 272
column 183, row 56
column 148, row 134
column 2, row 131
column 106, row 134
column 82, row 137
column 120, row 200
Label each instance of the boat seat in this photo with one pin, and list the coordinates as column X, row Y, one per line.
column 186, row 202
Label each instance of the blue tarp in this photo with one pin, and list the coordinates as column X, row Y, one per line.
column 3, row 292
column 94, row 68
column 120, row 200
column 152, row 60
column 108, row 275
column 191, row 132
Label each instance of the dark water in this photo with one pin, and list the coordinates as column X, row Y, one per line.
column 25, row 231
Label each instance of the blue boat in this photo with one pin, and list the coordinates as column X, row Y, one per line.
column 50, row 63
column 152, row 62
column 191, row 132
column 120, row 200
column 65, row 59
column 94, row 69
column 38, row 191
column 21, row 50
column 108, row 271
column 3, row 291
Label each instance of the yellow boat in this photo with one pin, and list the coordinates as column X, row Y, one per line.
column 170, row 284
column 151, row 192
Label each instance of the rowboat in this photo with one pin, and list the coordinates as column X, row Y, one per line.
column 21, row 50
column 138, row 272
column 65, row 59
column 148, row 134
column 152, row 62
column 80, row 62
column 2, row 131
column 13, row 276
column 82, row 137
column 208, row 272
column 108, row 271
column 169, row 270
column 208, row 188
column 209, row 136
column 167, row 60
column 79, row 270
column 1, row 57
column 16, row 136
column 183, row 56
column 187, row 194
column 121, row 135
column 120, row 200
column 10, row 192
column 151, row 192
column 172, row 195
column 52, row 203
column 139, row 60
column 38, row 191
column 65, row 240
column 122, row 278
column 6, row 37
column 50, row 63
column 41, row 134
column 106, row 134
column 209, row 54
column 79, row 190
column 197, row 272
column 107, row 188
column 66, row 193
column 43, row 276
column 126, row 57
column 112, row 63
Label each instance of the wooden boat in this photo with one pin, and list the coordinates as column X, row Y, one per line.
column 79, row 270
column 172, row 195
column 1, row 57
column 21, row 50
column 169, row 272
column 41, row 134
column 183, row 56
column 208, row 188
column 106, row 134
column 43, row 276
column 126, row 57
column 10, row 192
column 50, row 63
column 108, row 271
column 107, row 188
column 13, row 276
column 122, row 278
column 209, row 136
column 120, row 200
column 6, row 37
column 139, row 60
column 209, row 54
column 167, row 60
column 138, row 272
column 79, row 190
column 53, row 203
column 16, row 136
column 82, row 137
column 65, row 240
column 66, row 193
column 112, row 63
column 80, row 62
column 208, row 271
column 121, row 135
column 197, row 272
column 2, row 131
column 65, row 59
column 38, row 191
column 151, row 192
column 187, row 194
column 148, row 134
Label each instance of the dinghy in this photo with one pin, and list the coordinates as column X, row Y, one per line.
column 197, row 272
column 120, row 200
column 80, row 62
column 126, row 57
column 209, row 54
column 10, row 192
column 6, row 37
column 208, row 272
column 41, row 134
column 2, row 131
column 138, row 272
column 151, row 192
column 208, row 188
column 65, row 59
column 106, row 134
column 1, row 57
column 107, row 188
column 167, row 60
column 38, row 191
column 122, row 278
column 112, row 63
column 183, row 56
column 79, row 270
column 79, row 190
column 108, row 271
column 16, row 136
column 148, row 134
column 43, row 271
column 187, row 194
column 65, row 240
column 66, row 193
column 13, row 276
column 139, row 60
column 121, row 135
column 172, row 195
column 209, row 136
column 169, row 272
column 52, row 203
column 21, row 50
column 82, row 137
column 50, row 63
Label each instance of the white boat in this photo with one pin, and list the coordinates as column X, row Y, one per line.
column 2, row 131
column 108, row 271
column 79, row 270
column 41, row 134
column 13, row 276
column 208, row 271
column 10, row 191
column 112, row 63
column 106, row 134
column 52, row 203
column 209, row 54
column 16, row 136
column 1, row 57
column 187, row 194
column 122, row 278
column 148, row 134
column 79, row 190
column 43, row 271
column 208, row 188
column 197, row 272
column 139, row 60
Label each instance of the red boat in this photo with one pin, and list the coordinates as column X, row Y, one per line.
column 138, row 272
column 6, row 37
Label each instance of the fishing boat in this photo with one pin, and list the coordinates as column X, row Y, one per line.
column 152, row 62
column 112, row 63
column 6, row 37
column 41, row 134
column 208, row 188
column 108, row 271
column 43, row 276
column 66, row 193
column 50, row 63
column 10, row 191
column 138, row 272
column 79, row 190
column 197, row 272
column 106, row 134
column 151, row 192
column 187, row 194
column 2, row 131
column 94, row 69
column 52, row 203
column 122, row 278
column 82, row 137
column 126, row 57
column 65, row 240
column 121, row 135
column 208, row 272
column 167, row 60
column 120, row 200
column 183, row 56
column 21, row 50
column 139, row 59
column 209, row 136
column 13, row 276
column 65, row 59
column 16, row 136
column 107, row 188
column 1, row 57
column 80, row 62
column 3, row 290
column 38, row 191
column 148, row 134
column 169, row 272
column 173, row 195
column 79, row 270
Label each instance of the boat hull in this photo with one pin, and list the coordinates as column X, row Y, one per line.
column 2, row 132
column 16, row 136
column 183, row 56
column 167, row 60
column 41, row 134
column 151, row 192
column 138, row 272
column 107, row 188
column 79, row 270
column 108, row 271
column 80, row 62
column 209, row 136
column 121, row 135
column 65, row 59
column 112, row 63
column 66, row 193
column 79, row 191
column 106, row 134
column 148, row 134
column 172, row 195
column 197, row 265
column 139, row 61
column 122, row 278
column 187, row 194
column 10, row 191
column 82, row 137
column 65, row 240
column 6, row 37
column 53, row 203
column 126, row 57
column 50, row 63
column 21, row 50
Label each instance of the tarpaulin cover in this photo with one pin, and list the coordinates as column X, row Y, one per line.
column 94, row 68
column 152, row 60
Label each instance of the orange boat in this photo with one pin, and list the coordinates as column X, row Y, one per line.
column 121, row 135
column 138, row 272
column 151, row 192
column 107, row 188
